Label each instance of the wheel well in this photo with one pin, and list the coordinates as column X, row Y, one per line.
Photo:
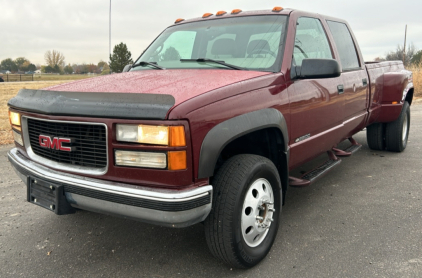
column 267, row 142
column 409, row 96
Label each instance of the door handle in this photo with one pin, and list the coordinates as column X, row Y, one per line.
column 365, row 82
column 340, row 89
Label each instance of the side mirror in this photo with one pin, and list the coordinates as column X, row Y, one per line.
column 318, row 68
column 127, row 68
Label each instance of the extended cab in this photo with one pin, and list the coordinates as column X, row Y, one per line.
column 208, row 123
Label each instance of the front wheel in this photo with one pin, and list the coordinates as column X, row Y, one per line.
column 244, row 219
column 397, row 132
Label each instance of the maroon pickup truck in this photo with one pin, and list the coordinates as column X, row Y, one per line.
column 208, row 123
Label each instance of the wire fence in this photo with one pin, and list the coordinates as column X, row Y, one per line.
column 17, row 77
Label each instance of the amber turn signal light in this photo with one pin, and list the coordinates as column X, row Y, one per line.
column 177, row 136
column 236, row 11
column 206, row 15
column 177, row 160
column 395, row 102
column 221, row 12
column 277, row 9
column 179, row 20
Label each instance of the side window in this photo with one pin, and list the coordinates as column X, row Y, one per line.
column 345, row 46
column 178, row 46
column 310, row 41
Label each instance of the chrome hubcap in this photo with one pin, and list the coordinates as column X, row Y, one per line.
column 404, row 134
column 257, row 213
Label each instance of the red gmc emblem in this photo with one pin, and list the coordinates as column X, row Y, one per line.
column 54, row 143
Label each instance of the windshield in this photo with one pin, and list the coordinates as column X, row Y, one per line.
column 250, row 43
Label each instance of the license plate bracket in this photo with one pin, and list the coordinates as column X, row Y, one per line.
column 48, row 195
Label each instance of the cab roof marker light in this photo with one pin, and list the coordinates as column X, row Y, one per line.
column 277, row 9
column 220, row 13
column 179, row 20
column 206, row 15
column 236, row 11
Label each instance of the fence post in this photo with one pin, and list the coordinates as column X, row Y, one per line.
column 20, row 77
column 32, row 77
column 7, row 77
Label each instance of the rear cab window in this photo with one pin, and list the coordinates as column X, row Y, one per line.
column 345, row 45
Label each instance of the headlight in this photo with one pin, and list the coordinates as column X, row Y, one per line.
column 148, row 134
column 15, row 121
column 14, row 118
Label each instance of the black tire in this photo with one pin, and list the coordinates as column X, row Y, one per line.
column 375, row 136
column 223, row 227
column 397, row 132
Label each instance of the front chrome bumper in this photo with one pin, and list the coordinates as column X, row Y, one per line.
column 156, row 206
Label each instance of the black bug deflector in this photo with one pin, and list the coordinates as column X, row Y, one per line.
column 110, row 105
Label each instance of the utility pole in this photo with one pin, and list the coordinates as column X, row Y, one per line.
column 404, row 48
column 109, row 35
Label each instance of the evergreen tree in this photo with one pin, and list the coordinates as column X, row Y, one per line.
column 32, row 67
column 120, row 58
column 68, row 69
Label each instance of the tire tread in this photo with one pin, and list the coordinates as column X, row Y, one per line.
column 375, row 136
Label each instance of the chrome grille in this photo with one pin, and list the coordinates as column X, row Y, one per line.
column 89, row 146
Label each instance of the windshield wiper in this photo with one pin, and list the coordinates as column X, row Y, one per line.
column 144, row 63
column 213, row 61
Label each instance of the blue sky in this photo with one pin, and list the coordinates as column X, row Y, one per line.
column 80, row 29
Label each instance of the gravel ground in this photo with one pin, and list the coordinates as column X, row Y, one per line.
column 364, row 219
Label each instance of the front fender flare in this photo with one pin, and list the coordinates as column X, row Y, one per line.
column 225, row 132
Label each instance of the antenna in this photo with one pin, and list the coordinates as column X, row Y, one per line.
column 109, row 34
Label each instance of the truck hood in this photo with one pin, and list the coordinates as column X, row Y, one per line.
column 181, row 84
column 148, row 94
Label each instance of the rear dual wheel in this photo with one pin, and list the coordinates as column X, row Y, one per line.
column 397, row 132
column 244, row 219
column 375, row 136
column 391, row 136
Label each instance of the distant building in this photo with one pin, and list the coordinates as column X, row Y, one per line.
column 37, row 72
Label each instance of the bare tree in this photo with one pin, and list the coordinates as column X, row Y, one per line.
column 397, row 55
column 54, row 57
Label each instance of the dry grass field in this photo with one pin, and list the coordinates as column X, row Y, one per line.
column 53, row 77
column 44, row 77
column 417, row 79
column 9, row 90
